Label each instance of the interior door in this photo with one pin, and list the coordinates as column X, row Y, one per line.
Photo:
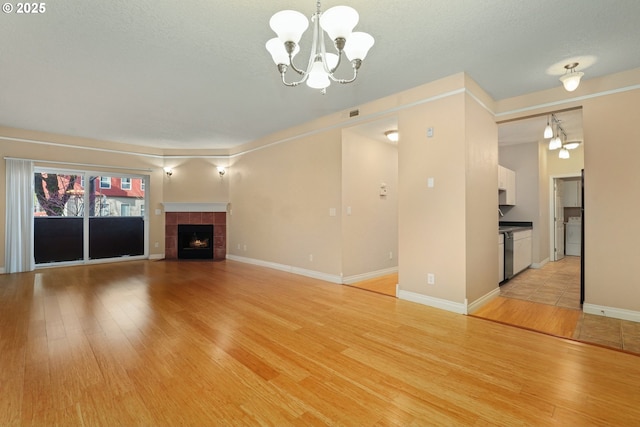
column 558, row 219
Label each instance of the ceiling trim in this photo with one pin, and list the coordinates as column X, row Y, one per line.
column 337, row 125
column 566, row 101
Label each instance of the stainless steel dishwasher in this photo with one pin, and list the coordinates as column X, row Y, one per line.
column 508, row 255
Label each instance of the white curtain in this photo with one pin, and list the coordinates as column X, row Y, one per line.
column 19, row 221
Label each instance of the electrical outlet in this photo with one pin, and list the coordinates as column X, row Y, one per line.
column 431, row 279
column 156, row 244
column 310, row 257
column 390, row 255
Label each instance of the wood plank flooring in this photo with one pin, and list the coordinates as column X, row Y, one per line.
column 545, row 318
column 225, row 343
column 385, row 285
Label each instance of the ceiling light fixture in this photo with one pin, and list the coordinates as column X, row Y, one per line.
column 548, row 132
column 571, row 79
column 564, row 153
column 571, row 145
column 555, row 142
column 168, row 171
column 392, row 135
column 338, row 22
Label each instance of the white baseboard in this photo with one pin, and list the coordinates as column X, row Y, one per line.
column 366, row 276
column 156, row 256
column 540, row 264
column 480, row 302
column 288, row 268
column 456, row 307
column 617, row 313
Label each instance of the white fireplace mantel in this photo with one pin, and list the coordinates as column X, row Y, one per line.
column 195, row 207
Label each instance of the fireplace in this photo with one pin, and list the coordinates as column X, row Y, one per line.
column 192, row 217
column 195, row 241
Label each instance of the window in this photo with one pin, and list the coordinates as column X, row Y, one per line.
column 63, row 207
column 105, row 182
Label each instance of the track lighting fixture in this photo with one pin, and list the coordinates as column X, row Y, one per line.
column 548, row 131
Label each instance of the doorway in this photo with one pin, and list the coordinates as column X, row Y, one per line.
column 550, row 198
column 370, row 206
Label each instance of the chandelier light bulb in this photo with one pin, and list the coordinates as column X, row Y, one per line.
column 358, row 45
column 564, row 153
column 289, row 25
column 278, row 52
column 318, row 78
column 338, row 21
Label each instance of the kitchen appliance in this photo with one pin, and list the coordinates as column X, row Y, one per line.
column 573, row 237
column 508, row 255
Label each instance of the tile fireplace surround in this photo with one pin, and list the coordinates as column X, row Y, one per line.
column 218, row 219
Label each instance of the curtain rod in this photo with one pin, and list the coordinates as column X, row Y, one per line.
column 80, row 164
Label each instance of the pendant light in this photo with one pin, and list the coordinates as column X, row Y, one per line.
column 548, row 132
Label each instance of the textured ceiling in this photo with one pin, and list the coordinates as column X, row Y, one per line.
column 195, row 74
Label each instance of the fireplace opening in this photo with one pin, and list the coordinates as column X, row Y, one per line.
column 195, row 241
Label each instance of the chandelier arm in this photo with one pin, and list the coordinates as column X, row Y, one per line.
column 345, row 81
column 294, row 68
column 283, row 70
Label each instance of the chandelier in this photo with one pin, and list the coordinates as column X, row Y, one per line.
column 338, row 22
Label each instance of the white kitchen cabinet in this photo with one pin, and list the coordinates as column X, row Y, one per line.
column 500, row 257
column 522, row 250
column 506, row 186
column 572, row 194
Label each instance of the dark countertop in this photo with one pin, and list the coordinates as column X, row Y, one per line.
column 513, row 226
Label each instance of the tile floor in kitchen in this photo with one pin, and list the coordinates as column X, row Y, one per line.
column 558, row 283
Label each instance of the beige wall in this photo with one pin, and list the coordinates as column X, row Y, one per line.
column 571, row 166
column 612, row 200
column 370, row 231
column 281, row 198
column 432, row 237
column 196, row 180
column 481, row 200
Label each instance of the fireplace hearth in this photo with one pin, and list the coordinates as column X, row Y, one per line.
column 195, row 241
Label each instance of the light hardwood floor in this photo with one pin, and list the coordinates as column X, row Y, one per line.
column 224, row 343
column 385, row 285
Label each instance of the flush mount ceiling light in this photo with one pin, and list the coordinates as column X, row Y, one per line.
column 338, row 22
column 571, row 79
column 392, row 135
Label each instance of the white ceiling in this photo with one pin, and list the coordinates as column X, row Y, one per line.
column 195, row 74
